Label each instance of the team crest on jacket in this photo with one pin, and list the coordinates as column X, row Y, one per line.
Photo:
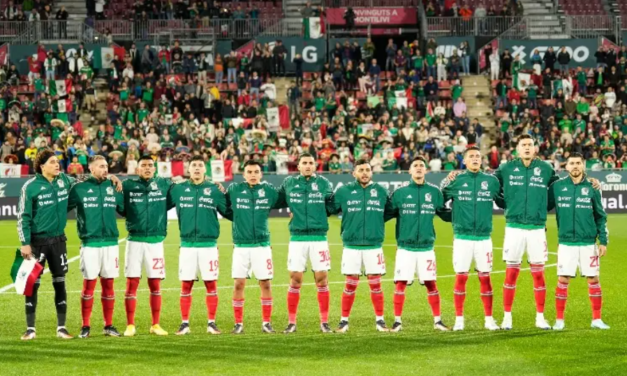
column 262, row 193
column 314, row 186
column 153, row 185
column 484, row 185
column 60, row 183
column 207, row 191
column 109, row 190
column 584, row 191
column 428, row 197
column 373, row 192
column 537, row 171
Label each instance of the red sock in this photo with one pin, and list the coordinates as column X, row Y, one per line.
column 130, row 299
column 539, row 286
column 348, row 296
column 87, row 300
column 486, row 293
column 596, row 299
column 293, row 297
column 376, row 294
column 155, row 299
column 238, row 310
column 211, row 299
column 433, row 296
column 460, row 293
column 186, row 299
column 399, row 297
column 509, row 287
column 561, row 295
column 266, row 309
column 107, row 299
column 323, row 303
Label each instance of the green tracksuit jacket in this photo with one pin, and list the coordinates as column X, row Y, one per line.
column 307, row 200
column 414, row 207
column 525, row 192
column 96, row 204
column 473, row 195
column 364, row 212
column 42, row 208
column 249, row 209
column 145, row 209
column 581, row 219
column 197, row 208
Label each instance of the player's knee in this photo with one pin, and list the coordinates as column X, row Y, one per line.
column 593, row 280
column 563, row 279
column 265, row 285
column 322, row 280
column 239, row 284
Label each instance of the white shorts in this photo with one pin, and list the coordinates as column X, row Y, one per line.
column 409, row 263
column 100, row 262
column 198, row 259
column 317, row 252
column 571, row 257
column 148, row 255
column 373, row 261
column 248, row 261
column 464, row 251
column 517, row 240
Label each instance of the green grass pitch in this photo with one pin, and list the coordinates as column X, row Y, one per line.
column 418, row 350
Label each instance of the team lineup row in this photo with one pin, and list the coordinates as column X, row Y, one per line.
column 527, row 188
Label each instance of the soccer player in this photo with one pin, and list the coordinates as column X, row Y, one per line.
column 42, row 216
column 472, row 193
column 307, row 196
column 581, row 221
column 198, row 203
column 414, row 207
column 145, row 206
column 96, row 203
column 364, row 206
column 249, row 204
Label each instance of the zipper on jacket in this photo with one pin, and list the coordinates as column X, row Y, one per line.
column 419, row 206
column 363, row 204
column 56, row 200
column 102, row 217
column 252, row 193
column 306, row 211
column 526, row 189
column 196, row 218
column 474, row 218
column 574, row 210
column 147, row 209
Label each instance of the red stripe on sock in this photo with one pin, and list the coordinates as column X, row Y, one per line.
column 211, row 299
column 596, row 299
column 107, row 299
column 130, row 301
column 323, row 303
column 433, row 297
column 87, row 300
column 460, row 293
column 154, row 284
column 293, row 297
column 539, row 286
column 509, row 287
column 348, row 297
column 399, row 297
column 376, row 294
column 486, row 293
column 186, row 299
column 561, row 296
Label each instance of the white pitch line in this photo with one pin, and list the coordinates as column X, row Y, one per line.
column 249, row 286
column 9, row 287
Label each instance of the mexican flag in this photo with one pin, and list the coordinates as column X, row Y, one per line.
column 314, row 27
column 63, row 106
column 273, row 119
column 399, row 98
column 429, row 114
column 25, row 273
column 57, row 87
column 164, row 169
column 106, row 56
column 524, row 79
column 217, row 171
